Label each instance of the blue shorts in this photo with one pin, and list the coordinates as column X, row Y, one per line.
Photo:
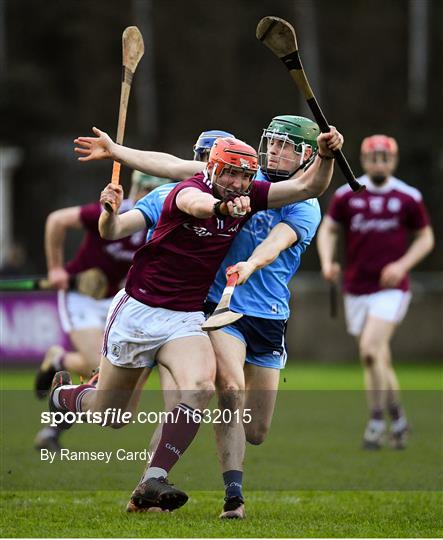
column 265, row 339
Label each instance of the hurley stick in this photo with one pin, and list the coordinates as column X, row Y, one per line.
column 133, row 50
column 279, row 36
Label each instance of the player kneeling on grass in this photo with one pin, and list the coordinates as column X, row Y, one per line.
column 159, row 315
column 377, row 223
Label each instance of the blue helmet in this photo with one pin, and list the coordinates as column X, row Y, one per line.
column 205, row 141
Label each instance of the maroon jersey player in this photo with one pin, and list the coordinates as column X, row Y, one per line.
column 159, row 315
column 377, row 224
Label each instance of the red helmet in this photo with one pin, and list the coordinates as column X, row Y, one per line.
column 230, row 152
column 379, row 143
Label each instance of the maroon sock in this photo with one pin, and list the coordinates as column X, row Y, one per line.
column 377, row 414
column 70, row 399
column 177, row 435
column 395, row 411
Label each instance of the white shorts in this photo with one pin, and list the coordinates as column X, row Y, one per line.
column 78, row 311
column 135, row 332
column 390, row 305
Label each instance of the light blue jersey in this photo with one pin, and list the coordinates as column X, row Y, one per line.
column 151, row 206
column 266, row 292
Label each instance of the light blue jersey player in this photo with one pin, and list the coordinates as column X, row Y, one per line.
column 251, row 352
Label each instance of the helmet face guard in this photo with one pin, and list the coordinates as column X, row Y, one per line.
column 229, row 156
column 205, row 141
column 301, row 133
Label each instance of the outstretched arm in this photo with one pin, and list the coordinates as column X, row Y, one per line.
column 326, row 243
column 315, row 180
column 57, row 224
column 280, row 238
column 393, row 273
column 113, row 226
column 155, row 163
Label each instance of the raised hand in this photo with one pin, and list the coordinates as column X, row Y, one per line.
column 94, row 148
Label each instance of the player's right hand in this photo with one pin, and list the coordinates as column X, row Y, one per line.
column 58, row 278
column 238, row 207
column 113, row 195
column 331, row 272
column 92, row 148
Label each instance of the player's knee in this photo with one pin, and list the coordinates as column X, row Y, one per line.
column 230, row 395
column 256, row 434
column 368, row 353
column 205, row 389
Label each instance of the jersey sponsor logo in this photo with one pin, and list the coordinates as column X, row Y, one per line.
column 199, row 231
column 260, row 225
column 360, row 224
column 357, row 202
column 234, row 229
column 394, row 204
column 137, row 238
column 376, row 204
column 116, row 251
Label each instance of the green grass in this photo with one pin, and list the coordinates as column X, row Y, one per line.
column 286, row 514
column 309, row 479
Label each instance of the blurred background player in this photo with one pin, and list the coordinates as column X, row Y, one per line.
column 376, row 225
column 83, row 317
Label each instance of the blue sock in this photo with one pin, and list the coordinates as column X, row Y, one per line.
column 233, row 483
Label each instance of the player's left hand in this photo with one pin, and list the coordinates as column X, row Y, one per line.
column 244, row 269
column 391, row 275
column 330, row 142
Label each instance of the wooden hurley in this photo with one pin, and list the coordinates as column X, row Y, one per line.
column 222, row 315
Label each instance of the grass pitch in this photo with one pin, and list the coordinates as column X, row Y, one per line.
column 309, row 479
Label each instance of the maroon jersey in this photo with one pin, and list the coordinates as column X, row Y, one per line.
column 113, row 257
column 377, row 223
column 175, row 269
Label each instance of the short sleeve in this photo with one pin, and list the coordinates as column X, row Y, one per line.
column 151, row 207
column 418, row 217
column 337, row 208
column 259, row 195
column 304, row 218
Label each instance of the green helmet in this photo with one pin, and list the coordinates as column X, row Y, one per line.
column 298, row 129
column 147, row 181
column 294, row 132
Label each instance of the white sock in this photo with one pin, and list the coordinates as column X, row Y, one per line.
column 49, row 432
column 154, row 472
column 399, row 425
column 376, row 425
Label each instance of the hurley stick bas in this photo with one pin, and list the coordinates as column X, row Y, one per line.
column 133, row 50
column 222, row 315
column 279, row 36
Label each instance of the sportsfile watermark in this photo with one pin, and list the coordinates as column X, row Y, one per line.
column 314, row 442
column 114, row 416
